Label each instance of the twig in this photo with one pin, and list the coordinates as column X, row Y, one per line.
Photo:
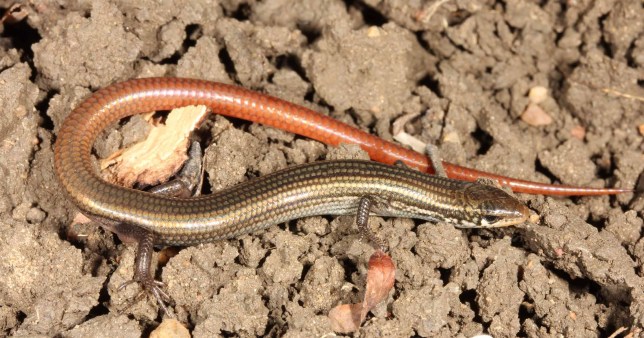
column 428, row 12
column 617, row 93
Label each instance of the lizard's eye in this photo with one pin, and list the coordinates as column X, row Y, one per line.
column 491, row 219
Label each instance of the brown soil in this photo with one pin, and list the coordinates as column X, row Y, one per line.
column 466, row 68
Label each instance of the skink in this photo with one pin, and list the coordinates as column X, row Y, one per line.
column 329, row 188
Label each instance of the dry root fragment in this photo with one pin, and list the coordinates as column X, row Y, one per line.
column 622, row 94
column 408, row 140
column 399, row 125
column 399, row 134
column 426, row 14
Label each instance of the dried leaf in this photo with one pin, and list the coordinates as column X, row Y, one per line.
column 381, row 275
column 160, row 155
column 380, row 280
column 345, row 318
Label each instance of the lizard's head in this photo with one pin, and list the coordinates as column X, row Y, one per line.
column 491, row 207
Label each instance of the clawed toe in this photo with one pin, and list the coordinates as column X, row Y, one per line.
column 153, row 287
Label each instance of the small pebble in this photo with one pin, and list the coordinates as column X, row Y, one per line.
column 451, row 137
column 373, row 32
column 538, row 94
column 578, row 132
column 535, row 116
column 170, row 328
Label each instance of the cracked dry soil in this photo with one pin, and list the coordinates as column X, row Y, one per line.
column 465, row 68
